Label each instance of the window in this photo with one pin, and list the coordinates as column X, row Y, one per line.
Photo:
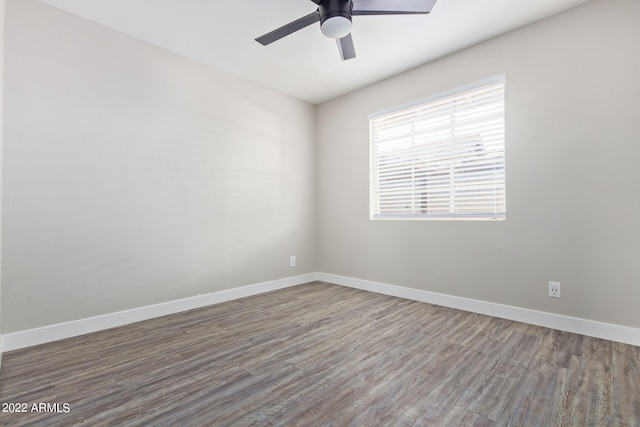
column 442, row 157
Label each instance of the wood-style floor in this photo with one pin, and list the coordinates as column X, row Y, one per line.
column 325, row 355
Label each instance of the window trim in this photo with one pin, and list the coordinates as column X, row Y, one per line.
column 501, row 78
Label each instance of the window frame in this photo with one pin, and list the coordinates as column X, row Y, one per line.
column 499, row 153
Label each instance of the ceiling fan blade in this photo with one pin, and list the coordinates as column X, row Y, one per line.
column 392, row 7
column 345, row 46
column 291, row 27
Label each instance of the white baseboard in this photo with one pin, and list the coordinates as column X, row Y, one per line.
column 608, row 331
column 31, row 337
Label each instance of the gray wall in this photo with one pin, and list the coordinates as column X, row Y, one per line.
column 573, row 183
column 134, row 176
column 2, row 8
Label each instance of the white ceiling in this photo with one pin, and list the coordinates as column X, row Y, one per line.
column 306, row 65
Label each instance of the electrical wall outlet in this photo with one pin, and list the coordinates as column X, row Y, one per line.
column 554, row 289
column 292, row 261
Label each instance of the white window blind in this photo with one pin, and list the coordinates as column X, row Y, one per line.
column 443, row 158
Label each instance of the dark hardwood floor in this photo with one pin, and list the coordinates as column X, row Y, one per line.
column 325, row 355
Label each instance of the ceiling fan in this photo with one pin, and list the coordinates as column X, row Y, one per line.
column 335, row 19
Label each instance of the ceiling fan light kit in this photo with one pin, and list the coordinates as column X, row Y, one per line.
column 336, row 27
column 335, row 17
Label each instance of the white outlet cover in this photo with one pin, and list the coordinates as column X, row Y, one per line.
column 554, row 289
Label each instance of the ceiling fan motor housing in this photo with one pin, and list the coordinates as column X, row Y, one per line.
column 332, row 8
